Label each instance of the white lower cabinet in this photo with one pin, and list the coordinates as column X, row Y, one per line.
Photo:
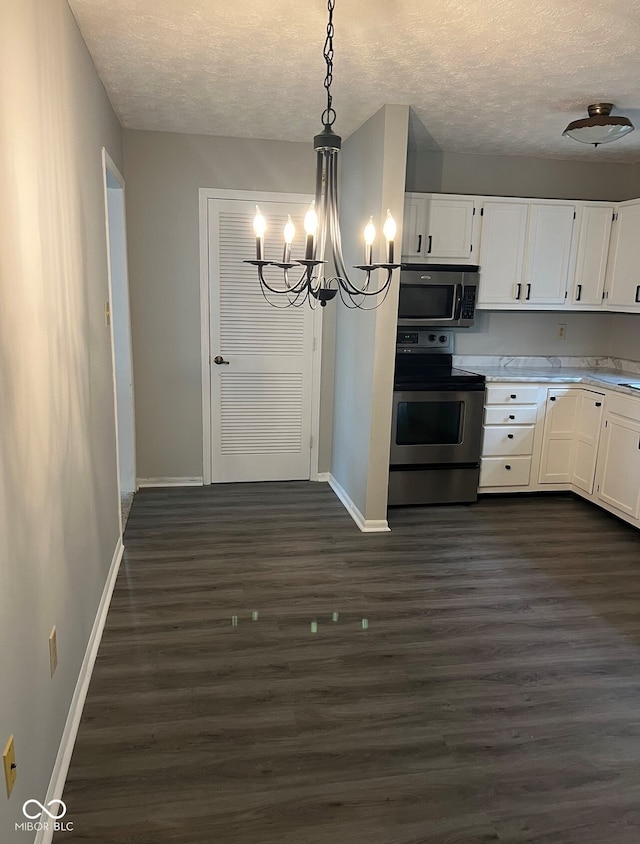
column 587, row 439
column 558, row 440
column 510, row 416
column 618, row 473
column 543, row 437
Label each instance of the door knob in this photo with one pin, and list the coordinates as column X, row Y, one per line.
column 218, row 359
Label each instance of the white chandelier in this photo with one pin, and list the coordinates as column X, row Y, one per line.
column 321, row 223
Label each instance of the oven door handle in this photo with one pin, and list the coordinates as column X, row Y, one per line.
column 457, row 302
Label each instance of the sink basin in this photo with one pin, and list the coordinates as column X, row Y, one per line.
column 635, row 385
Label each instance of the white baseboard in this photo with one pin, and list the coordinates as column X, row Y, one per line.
column 61, row 766
column 323, row 477
column 365, row 525
column 153, row 482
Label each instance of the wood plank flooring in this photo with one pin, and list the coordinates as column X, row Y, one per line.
column 494, row 696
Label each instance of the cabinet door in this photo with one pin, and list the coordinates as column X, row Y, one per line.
column 502, row 242
column 622, row 287
column 620, row 480
column 587, row 436
column 448, row 227
column 593, row 249
column 413, row 226
column 549, row 239
column 556, row 463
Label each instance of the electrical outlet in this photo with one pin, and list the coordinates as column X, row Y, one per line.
column 562, row 331
column 9, row 762
column 53, row 650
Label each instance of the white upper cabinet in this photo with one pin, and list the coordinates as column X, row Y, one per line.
column 594, row 232
column 504, row 230
column 622, row 286
column 413, row 226
column 534, row 254
column 438, row 228
column 549, row 240
column 525, row 253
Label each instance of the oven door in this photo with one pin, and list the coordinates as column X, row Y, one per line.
column 434, row 427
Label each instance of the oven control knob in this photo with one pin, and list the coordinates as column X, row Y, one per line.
column 442, row 338
column 432, row 338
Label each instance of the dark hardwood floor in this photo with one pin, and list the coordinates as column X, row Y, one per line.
column 494, row 696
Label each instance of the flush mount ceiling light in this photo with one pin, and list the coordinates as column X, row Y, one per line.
column 599, row 127
column 321, row 223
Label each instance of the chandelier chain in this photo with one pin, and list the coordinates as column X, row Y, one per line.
column 329, row 114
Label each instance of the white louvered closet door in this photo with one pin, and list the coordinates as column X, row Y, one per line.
column 261, row 399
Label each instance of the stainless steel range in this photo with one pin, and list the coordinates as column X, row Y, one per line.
column 437, row 422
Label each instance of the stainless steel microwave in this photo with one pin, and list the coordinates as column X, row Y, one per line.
column 437, row 294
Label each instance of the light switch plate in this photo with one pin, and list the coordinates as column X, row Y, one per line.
column 9, row 763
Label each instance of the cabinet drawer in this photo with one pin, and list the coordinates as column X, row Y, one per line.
column 623, row 405
column 514, row 394
column 505, row 471
column 507, row 439
column 514, row 415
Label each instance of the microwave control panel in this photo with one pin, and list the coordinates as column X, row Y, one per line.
column 468, row 303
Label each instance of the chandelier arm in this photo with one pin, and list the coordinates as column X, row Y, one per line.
column 351, row 303
column 298, row 287
column 334, row 223
column 321, row 202
column 364, row 291
column 274, row 305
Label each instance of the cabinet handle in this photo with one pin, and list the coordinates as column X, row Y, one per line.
column 514, row 396
column 578, row 293
column 511, row 416
column 509, row 436
column 518, row 290
column 430, row 244
column 638, row 293
column 552, row 398
column 598, row 404
column 508, row 468
column 528, row 296
column 419, row 243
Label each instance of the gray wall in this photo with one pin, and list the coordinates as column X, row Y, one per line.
column 493, row 175
column 536, row 333
column 58, row 493
column 164, row 172
column 374, row 161
column 624, row 341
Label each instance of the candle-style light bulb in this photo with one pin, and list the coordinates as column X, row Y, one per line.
column 289, row 234
column 389, row 230
column 259, row 227
column 310, row 227
column 369, row 237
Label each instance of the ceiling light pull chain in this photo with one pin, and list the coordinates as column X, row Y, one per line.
column 329, row 114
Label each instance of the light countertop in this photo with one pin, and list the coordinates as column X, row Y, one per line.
column 597, row 377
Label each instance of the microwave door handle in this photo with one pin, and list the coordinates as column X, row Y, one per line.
column 457, row 303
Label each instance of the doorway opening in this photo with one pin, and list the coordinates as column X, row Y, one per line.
column 118, row 314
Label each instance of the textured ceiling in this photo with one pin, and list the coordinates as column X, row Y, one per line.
column 482, row 76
